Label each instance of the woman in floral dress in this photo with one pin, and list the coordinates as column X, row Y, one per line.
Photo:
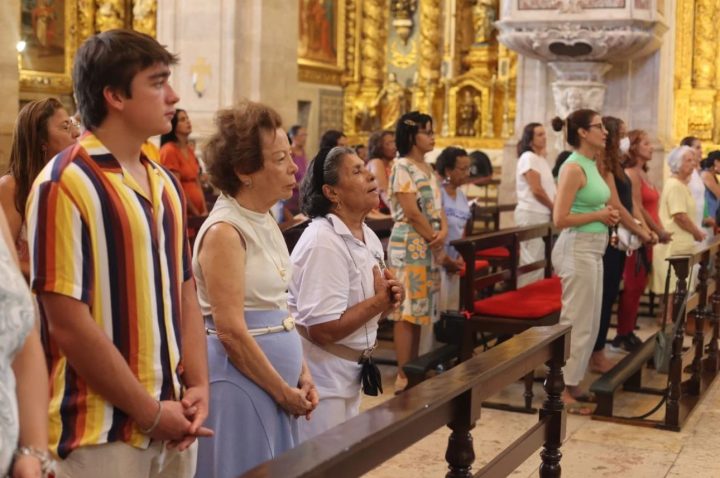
column 416, row 241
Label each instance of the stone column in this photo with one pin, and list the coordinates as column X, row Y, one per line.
column 230, row 50
column 266, row 54
column 9, row 77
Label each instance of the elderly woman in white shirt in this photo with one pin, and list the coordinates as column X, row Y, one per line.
column 535, row 193
column 339, row 287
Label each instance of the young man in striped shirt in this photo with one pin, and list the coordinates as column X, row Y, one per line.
column 110, row 264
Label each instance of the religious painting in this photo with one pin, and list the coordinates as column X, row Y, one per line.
column 321, row 40
column 46, row 44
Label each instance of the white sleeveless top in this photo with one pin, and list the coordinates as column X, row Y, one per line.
column 266, row 258
column 17, row 316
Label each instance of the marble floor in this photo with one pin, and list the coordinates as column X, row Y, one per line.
column 591, row 448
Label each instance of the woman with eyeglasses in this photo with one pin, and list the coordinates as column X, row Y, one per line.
column 581, row 211
column 416, row 247
column 43, row 129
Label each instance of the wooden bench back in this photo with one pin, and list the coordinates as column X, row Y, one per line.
column 452, row 398
column 511, row 238
column 485, row 217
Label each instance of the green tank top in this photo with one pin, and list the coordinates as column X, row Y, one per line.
column 591, row 197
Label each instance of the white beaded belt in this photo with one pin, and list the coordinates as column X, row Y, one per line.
column 287, row 325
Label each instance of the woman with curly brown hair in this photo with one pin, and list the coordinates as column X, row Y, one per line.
column 259, row 381
column 621, row 198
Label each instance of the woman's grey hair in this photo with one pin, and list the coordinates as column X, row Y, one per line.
column 674, row 160
column 313, row 202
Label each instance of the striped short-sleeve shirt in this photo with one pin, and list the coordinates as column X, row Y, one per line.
column 96, row 236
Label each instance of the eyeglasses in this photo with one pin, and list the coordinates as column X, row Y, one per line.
column 430, row 133
column 599, row 126
column 70, row 124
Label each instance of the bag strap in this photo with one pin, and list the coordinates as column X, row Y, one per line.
column 683, row 306
column 665, row 297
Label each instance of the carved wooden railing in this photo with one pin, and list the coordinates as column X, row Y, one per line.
column 454, row 399
column 702, row 305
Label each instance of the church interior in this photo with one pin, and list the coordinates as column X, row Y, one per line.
column 482, row 69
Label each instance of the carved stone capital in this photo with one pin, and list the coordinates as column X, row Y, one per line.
column 579, row 85
column 568, row 41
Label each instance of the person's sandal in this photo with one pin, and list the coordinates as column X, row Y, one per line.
column 400, row 384
column 579, row 408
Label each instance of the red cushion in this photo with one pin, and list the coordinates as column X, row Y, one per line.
column 500, row 252
column 479, row 264
column 533, row 301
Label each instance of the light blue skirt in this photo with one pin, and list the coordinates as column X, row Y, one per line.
column 250, row 427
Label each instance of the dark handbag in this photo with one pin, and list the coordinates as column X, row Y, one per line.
column 371, row 379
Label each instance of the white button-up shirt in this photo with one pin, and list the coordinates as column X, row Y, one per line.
column 331, row 272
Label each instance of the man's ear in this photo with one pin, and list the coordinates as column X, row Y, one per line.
column 114, row 99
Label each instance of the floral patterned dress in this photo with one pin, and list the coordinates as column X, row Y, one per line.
column 17, row 316
column 409, row 256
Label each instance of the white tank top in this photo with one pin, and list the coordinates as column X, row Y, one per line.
column 267, row 261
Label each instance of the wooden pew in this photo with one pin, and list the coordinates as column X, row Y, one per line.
column 454, row 399
column 509, row 311
column 702, row 361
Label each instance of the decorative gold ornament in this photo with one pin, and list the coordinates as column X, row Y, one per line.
column 144, row 13
column 109, row 14
column 402, row 59
column 201, row 70
column 403, row 12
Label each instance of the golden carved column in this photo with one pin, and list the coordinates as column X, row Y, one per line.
column 109, row 14
column 359, row 115
column 705, row 43
column 86, row 19
column 373, row 46
column 430, row 56
column 144, row 16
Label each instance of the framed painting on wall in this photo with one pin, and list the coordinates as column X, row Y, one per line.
column 321, row 41
column 47, row 45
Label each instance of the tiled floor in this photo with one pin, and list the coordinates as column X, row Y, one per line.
column 591, row 449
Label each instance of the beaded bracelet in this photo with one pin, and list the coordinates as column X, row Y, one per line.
column 155, row 422
column 47, row 464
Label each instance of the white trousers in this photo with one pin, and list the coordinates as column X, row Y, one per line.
column 577, row 257
column 120, row 460
column 329, row 413
column 534, row 249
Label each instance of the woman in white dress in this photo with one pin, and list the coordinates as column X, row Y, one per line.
column 339, row 287
column 535, row 193
column 23, row 375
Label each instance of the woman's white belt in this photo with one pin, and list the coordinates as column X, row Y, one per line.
column 287, row 325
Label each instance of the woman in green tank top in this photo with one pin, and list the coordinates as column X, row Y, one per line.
column 581, row 211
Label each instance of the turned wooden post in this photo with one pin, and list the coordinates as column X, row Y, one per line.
column 460, row 454
column 554, row 407
column 672, row 410
column 701, row 313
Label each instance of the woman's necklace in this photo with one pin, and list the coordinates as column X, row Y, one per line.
column 281, row 270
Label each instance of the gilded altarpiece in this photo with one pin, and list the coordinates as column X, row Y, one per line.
column 697, row 79
column 436, row 56
column 44, row 21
